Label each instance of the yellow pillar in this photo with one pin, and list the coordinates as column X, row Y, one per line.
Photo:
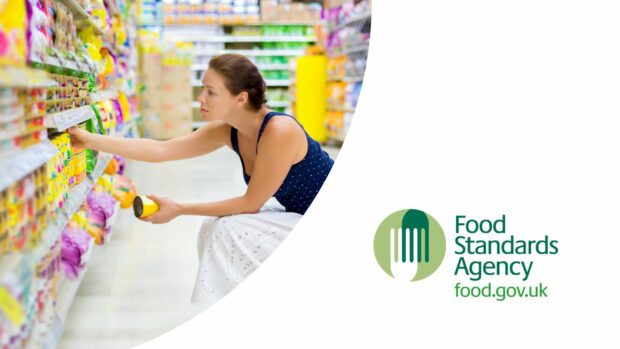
column 311, row 95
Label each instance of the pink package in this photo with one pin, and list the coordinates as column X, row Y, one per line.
column 75, row 243
column 101, row 208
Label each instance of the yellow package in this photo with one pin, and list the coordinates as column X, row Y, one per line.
column 124, row 103
column 12, row 32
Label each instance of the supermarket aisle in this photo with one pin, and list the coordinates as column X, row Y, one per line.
column 138, row 286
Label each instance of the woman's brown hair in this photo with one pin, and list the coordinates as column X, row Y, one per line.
column 240, row 74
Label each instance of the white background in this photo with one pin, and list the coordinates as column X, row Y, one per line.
column 479, row 108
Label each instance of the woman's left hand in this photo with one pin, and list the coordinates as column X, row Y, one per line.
column 168, row 210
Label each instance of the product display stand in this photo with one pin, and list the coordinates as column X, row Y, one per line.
column 272, row 46
column 72, row 63
column 348, row 34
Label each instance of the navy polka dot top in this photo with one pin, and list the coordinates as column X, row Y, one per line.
column 304, row 179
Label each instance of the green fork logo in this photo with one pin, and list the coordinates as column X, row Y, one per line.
column 409, row 245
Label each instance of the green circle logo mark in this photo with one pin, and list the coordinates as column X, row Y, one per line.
column 409, row 245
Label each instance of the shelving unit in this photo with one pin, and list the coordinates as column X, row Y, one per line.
column 24, row 77
column 255, row 52
column 203, row 67
column 270, row 83
column 67, row 291
column 41, row 200
column 16, row 165
column 56, row 63
column 347, row 50
column 83, row 19
column 64, row 120
column 77, row 195
column 341, row 108
column 273, row 61
column 249, row 39
column 103, row 96
column 68, row 288
column 350, row 79
column 355, row 19
column 355, row 48
column 273, row 104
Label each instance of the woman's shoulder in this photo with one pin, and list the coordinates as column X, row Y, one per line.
column 283, row 125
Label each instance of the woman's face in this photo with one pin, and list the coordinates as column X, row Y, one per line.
column 216, row 102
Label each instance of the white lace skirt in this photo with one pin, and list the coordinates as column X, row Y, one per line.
column 230, row 248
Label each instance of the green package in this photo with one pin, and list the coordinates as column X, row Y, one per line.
column 93, row 126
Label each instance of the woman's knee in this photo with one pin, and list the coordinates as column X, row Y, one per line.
column 207, row 232
column 220, row 229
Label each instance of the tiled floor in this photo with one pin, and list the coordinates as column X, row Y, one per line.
column 138, row 285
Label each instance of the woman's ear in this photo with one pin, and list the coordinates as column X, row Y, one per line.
column 242, row 98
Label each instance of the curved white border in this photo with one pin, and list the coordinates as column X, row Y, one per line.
column 479, row 108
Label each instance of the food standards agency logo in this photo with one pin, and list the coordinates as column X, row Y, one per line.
column 409, row 245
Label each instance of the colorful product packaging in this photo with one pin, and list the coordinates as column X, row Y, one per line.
column 12, row 32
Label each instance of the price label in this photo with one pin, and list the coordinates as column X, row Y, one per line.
column 53, row 61
column 64, row 120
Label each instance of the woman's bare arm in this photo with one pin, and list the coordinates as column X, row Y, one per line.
column 206, row 139
column 278, row 148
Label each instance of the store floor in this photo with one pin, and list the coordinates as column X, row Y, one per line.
column 139, row 284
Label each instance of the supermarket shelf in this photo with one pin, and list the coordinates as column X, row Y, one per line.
column 102, row 163
column 339, row 138
column 279, row 104
column 196, row 105
column 24, row 77
column 75, row 8
column 113, row 7
column 250, row 52
column 112, row 219
column 126, row 129
column 203, row 67
column 113, row 47
column 273, row 66
column 355, row 19
column 63, row 120
column 359, row 18
column 156, row 25
column 340, row 108
column 103, row 96
column 256, row 38
column 278, row 83
column 68, row 288
column 54, row 63
column 77, row 195
column 356, row 48
column 17, row 164
column 348, row 79
column 246, row 24
column 40, row 328
column 270, row 83
column 83, row 20
column 307, row 23
column 67, row 291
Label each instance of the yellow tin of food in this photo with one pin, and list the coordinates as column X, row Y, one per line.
column 144, row 207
